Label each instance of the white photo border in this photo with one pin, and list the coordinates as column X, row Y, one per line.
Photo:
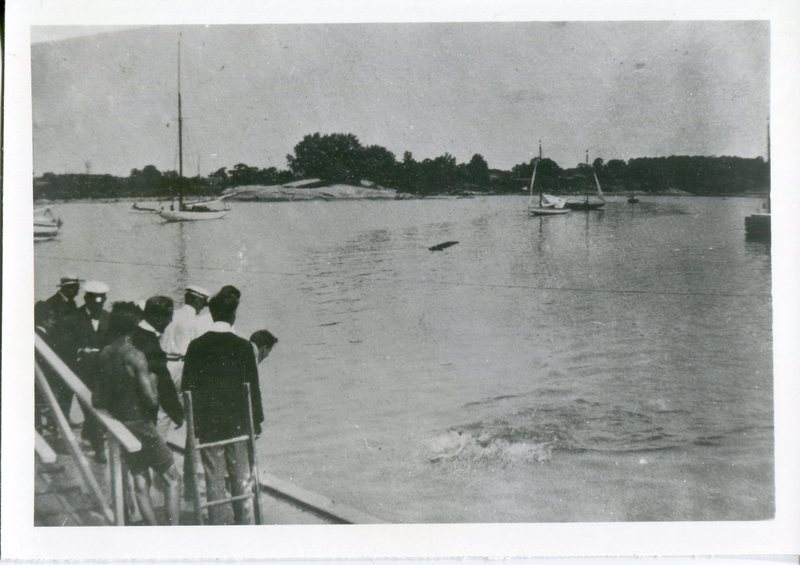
column 20, row 540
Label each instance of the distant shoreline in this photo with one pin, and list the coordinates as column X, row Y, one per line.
column 132, row 199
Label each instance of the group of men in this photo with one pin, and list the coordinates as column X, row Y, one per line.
column 137, row 358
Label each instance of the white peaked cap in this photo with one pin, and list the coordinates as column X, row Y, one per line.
column 95, row 287
column 198, row 290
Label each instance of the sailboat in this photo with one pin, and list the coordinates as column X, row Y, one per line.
column 586, row 204
column 548, row 205
column 45, row 224
column 187, row 212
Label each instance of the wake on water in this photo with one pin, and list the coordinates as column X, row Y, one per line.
column 536, row 434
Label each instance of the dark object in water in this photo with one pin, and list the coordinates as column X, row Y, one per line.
column 633, row 200
column 758, row 227
column 440, row 246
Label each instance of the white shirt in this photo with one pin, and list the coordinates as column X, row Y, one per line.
column 146, row 326
column 222, row 327
column 186, row 325
column 95, row 322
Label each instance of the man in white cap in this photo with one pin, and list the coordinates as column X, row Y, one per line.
column 188, row 322
column 78, row 340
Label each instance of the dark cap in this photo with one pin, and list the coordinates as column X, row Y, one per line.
column 69, row 279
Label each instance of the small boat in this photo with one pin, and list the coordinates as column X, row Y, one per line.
column 632, row 199
column 548, row 205
column 143, row 208
column 186, row 211
column 586, row 204
column 45, row 224
column 188, row 214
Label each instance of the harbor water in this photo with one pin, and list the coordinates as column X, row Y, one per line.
column 613, row 365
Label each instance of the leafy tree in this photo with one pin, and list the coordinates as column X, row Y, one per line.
column 477, row 170
column 333, row 157
column 378, row 164
column 220, row 174
column 242, row 174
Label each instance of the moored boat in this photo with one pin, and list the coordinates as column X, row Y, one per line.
column 548, row 205
column 137, row 207
column 191, row 215
column 586, row 204
column 46, row 224
column 187, row 212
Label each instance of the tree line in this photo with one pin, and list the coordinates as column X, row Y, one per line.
column 341, row 158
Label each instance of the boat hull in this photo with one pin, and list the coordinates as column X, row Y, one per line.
column 758, row 226
column 44, row 232
column 191, row 215
column 143, row 209
column 584, row 205
column 547, row 211
column 45, row 224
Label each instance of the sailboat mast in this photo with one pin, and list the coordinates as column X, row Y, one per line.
column 769, row 166
column 541, row 198
column 180, row 131
column 587, row 164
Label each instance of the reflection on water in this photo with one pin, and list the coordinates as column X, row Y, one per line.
column 603, row 365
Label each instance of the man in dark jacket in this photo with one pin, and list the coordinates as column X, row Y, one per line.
column 78, row 340
column 217, row 366
column 157, row 316
column 48, row 315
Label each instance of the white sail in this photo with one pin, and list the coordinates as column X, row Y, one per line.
column 549, row 205
column 599, row 190
column 550, row 201
column 533, row 177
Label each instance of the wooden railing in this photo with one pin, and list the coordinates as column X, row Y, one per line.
column 325, row 509
column 120, row 439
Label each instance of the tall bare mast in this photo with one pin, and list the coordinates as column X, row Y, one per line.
column 768, row 156
column 180, row 131
column 769, row 172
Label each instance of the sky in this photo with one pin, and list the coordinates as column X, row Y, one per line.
column 104, row 98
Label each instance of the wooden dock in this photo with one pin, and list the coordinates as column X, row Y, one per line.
column 61, row 498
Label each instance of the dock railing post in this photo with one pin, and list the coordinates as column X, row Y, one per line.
column 251, row 452
column 66, row 431
column 191, row 458
column 117, row 484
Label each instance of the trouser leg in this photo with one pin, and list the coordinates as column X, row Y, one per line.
column 214, row 467
column 238, row 463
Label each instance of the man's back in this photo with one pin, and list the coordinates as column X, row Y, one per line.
column 147, row 342
column 126, row 388
column 218, row 364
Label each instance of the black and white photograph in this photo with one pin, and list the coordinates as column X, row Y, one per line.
column 356, row 272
